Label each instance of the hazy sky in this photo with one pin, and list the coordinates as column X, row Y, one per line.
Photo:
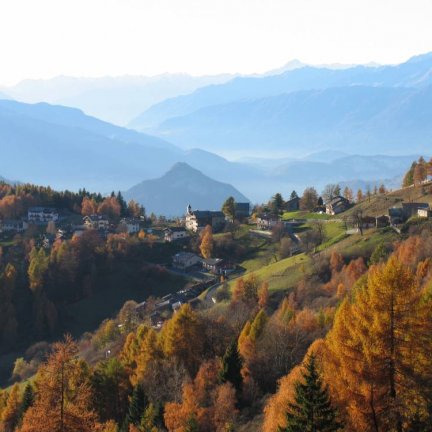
column 45, row 38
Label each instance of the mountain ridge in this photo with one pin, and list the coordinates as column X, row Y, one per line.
column 415, row 72
column 363, row 118
column 179, row 186
column 113, row 99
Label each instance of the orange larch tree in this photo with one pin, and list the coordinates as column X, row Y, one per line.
column 63, row 402
column 374, row 348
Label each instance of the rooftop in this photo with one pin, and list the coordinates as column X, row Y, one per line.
column 96, row 217
column 337, row 200
column 212, row 261
column 207, row 213
column 42, row 209
column 175, row 229
column 185, row 255
column 415, row 205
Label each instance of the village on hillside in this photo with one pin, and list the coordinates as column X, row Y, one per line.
column 292, row 227
column 101, row 268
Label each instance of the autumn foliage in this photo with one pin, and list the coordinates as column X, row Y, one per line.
column 63, row 403
column 240, row 362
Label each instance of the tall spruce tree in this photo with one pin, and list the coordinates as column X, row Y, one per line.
column 122, row 203
column 293, row 195
column 137, row 406
column 231, row 367
column 27, row 399
column 312, row 410
column 191, row 424
column 277, row 203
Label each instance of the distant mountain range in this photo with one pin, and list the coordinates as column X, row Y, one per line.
column 416, row 72
column 182, row 185
column 114, row 99
column 356, row 118
column 64, row 148
column 356, row 109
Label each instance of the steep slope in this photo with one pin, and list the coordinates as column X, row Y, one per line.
column 378, row 205
column 416, row 72
column 170, row 194
column 356, row 119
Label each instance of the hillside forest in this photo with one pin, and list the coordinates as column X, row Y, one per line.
column 332, row 335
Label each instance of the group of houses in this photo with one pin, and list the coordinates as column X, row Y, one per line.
column 399, row 215
column 394, row 216
column 35, row 216
column 173, row 302
column 42, row 216
column 102, row 223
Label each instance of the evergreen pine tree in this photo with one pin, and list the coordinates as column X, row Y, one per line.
column 123, row 204
column 312, row 410
column 148, row 422
column 231, row 367
column 27, row 399
column 137, row 406
column 277, row 203
column 191, row 425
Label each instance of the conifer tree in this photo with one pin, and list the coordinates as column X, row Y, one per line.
column 148, row 422
column 231, row 367
column 11, row 413
column 191, row 425
column 277, row 203
column 408, row 179
column 182, row 338
column 258, row 324
column 376, row 346
column 111, row 388
column 63, row 403
column 123, row 204
column 137, row 406
column 27, row 399
column 312, row 410
column 8, row 322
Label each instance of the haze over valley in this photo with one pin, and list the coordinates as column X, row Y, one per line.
column 282, row 130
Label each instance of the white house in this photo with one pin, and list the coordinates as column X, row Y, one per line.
column 175, row 233
column 99, row 222
column 42, row 214
column 266, row 222
column 130, row 225
column 13, row 225
column 185, row 260
column 424, row 213
column 337, row 205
